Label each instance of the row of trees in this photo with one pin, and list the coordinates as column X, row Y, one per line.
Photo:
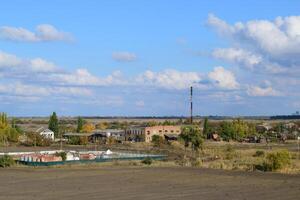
column 59, row 128
column 229, row 130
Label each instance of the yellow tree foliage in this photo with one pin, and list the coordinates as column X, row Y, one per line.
column 88, row 128
column 3, row 121
column 102, row 125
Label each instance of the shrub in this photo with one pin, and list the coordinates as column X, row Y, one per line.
column 196, row 162
column 259, row 153
column 275, row 161
column 147, row 161
column 37, row 139
column 229, row 152
column 77, row 140
column 6, row 161
column 62, row 154
column 157, row 140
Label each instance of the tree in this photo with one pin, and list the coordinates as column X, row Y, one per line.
column 35, row 139
column 53, row 124
column 88, row 128
column 3, row 121
column 206, row 128
column 8, row 133
column 102, row 125
column 185, row 136
column 237, row 129
column 192, row 135
column 80, row 123
column 226, row 130
column 197, row 141
column 157, row 140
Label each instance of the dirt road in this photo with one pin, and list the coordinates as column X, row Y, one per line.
column 142, row 183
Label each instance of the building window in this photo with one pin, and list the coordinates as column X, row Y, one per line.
column 160, row 131
column 172, row 131
column 148, row 132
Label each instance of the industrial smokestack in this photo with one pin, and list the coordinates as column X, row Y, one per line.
column 191, row 99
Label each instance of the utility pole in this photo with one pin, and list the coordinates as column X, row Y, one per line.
column 191, row 101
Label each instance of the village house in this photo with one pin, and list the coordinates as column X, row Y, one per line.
column 144, row 134
column 47, row 133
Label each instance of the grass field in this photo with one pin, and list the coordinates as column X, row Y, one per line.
column 120, row 182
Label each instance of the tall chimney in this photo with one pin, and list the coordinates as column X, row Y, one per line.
column 191, row 99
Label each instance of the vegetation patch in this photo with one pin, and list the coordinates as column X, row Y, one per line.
column 147, row 161
column 62, row 154
column 275, row 161
column 6, row 161
column 259, row 153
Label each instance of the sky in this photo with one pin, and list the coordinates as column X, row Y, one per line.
column 140, row 57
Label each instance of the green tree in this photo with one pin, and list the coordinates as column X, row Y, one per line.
column 206, row 128
column 53, row 124
column 191, row 135
column 236, row 130
column 3, row 120
column 185, row 136
column 157, row 140
column 80, row 123
column 8, row 132
column 226, row 130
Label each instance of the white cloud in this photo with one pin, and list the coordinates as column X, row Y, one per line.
column 124, row 56
column 270, row 46
column 44, row 32
column 41, row 65
column 9, row 60
column 20, row 90
column 223, row 78
column 262, row 91
column 82, row 77
column 239, row 56
column 170, row 79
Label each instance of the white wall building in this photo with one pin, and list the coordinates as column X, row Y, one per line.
column 47, row 133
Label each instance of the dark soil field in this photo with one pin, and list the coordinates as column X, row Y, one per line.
column 119, row 182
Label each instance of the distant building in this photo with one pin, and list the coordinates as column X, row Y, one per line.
column 99, row 135
column 47, row 133
column 264, row 127
column 136, row 134
column 144, row 134
column 117, row 134
column 68, row 136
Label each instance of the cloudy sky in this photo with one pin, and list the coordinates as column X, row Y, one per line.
column 139, row 57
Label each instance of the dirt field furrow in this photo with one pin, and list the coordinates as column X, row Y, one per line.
column 147, row 183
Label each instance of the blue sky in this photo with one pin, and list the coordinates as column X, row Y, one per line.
column 136, row 58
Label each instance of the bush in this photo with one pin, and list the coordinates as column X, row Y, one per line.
column 259, row 153
column 275, row 161
column 6, row 161
column 157, row 140
column 77, row 140
column 196, row 162
column 37, row 139
column 62, row 154
column 147, row 161
column 229, row 152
